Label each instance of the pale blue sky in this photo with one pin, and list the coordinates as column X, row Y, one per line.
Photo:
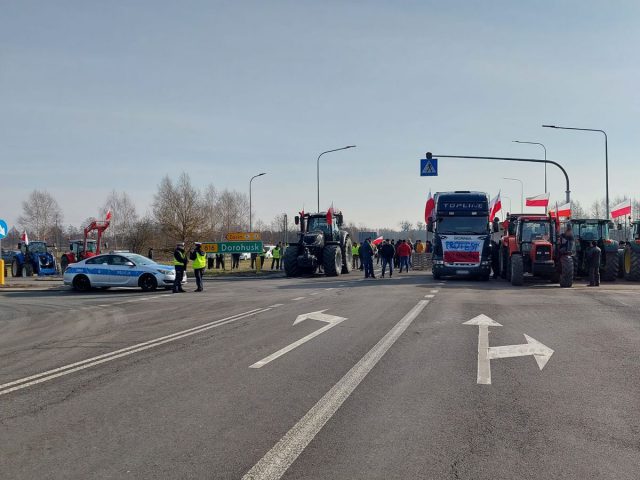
column 104, row 95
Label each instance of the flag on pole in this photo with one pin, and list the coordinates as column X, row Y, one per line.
column 538, row 201
column 429, row 208
column 25, row 238
column 330, row 215
column 494, row 207
column 108, row 216
column 378, row 240
column 561, row 211
column 622, row 209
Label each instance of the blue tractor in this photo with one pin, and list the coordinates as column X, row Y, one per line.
column 33, row 259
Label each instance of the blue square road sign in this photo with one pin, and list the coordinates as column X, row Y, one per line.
column 428, row 167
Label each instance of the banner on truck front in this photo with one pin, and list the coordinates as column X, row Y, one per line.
column 462, row 248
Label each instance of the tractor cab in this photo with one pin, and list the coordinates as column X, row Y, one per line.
column 590, row 230
column 78, row 249
column 536, row 237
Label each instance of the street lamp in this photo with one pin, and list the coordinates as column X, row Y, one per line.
column 521, row 191
column 508, row 198
column 545, row 157
column 255, row 176
column 606, row 154
column 318, row 167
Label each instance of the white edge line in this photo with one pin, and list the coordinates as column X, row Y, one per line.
column 126, row 349
column 277, row 460
column 298, row 298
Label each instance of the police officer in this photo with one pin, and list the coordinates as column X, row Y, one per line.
column 275, row 256
column 594, row 255
column 199, row 259
column 180, row 263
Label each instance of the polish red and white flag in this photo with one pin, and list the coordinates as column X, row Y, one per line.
column 561, row 211
column 621, row 209
column 429, row 208
column 538, row 201
column 330, row 215
column 25, row 238
column 494, row 207
column 108, row 216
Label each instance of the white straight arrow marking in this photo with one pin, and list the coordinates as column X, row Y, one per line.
column 331, row 321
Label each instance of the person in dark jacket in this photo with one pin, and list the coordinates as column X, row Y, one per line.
column 495, row 258
column 566, row 242
column 180, row 262
column 387, row 252
column 594, row 254
column 366, row 256
column 150, row 253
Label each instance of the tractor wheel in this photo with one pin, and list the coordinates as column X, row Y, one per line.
column 610, row 271
column 64, row 263
column 332, row 260
column 566, row 271
column 81, row 283
column 290, row 260
column 148, row 283
column 27, row 270
column 503, row 262
column 347, row 255
column 517, row 270
column 631, row 265
column 16, row 270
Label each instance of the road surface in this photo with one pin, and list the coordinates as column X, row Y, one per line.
column 125, row 384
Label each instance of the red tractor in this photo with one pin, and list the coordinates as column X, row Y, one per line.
column 81, row 249
column 531, row 245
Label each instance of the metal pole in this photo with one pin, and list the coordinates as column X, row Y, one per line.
column 510, row 207
column 510, row 159
column 546, row 190
column 606, row 155
column 318, row 168
column 250, row 181
column 521, row 191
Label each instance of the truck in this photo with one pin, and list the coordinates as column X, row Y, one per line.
column 461, row 235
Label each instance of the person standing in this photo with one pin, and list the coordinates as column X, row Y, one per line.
column 275, row 259
column 404, row 251
column 199, row 259
column 495, row 258
column 366, row 254
column 396, row 257
column 180, row 262
column 419, row 246
column 355, row 252
column 594, row 256
column 235, row 261
column 150, row 253
column 387, row 252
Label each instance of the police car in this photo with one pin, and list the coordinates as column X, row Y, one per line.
column 119, row 270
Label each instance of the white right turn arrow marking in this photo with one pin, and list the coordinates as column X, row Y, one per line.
column 540, row 352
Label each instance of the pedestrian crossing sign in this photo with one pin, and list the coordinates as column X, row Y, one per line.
column 429, row 167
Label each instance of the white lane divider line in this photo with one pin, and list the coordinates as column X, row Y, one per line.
column 103, row 305
column 428, row 296
column 298, row 298
column 433, row 291
column 314, row 293
column 107, row 357
column 276, row 305
column 330, row 288
column 277, row 460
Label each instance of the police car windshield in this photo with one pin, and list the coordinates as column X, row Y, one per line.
column 463, row 225
column 139, row 259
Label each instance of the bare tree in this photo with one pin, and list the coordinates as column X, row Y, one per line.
column 140, row 235
column 40, row 214
column 233, row 210
column 123, row 216
column 577, row 210
column 406, row 226
column 177, row 208
column 211, row 220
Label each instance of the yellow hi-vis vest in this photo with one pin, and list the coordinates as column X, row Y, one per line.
column 179, row 263
column 355, row 250
column 276, row 253
column 200, row 261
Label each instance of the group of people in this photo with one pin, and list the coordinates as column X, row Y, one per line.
column 180, row 262
column 388, row 252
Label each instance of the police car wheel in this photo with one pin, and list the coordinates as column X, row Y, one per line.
column 81, row 283
column 148, row 283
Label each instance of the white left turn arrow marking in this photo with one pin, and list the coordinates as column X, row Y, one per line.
column 540, row 352
column 330, row 320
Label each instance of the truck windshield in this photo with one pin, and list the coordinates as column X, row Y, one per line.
column 536, row 231
column 463, row 225
column 318, row 223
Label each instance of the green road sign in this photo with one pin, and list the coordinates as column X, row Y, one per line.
column 232, row 247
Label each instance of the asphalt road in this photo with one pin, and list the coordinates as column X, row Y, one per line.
column 122, row 384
